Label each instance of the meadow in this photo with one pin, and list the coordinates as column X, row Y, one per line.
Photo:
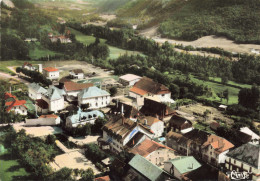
column 114, row 51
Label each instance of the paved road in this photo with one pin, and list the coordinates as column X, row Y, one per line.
column 8, row 76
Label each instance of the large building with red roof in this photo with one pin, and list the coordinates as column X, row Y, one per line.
column 51, row 73
column 147, row 88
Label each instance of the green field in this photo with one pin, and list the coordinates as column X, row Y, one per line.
column 114, row 51
column 10, row 168
column 37, row 51
column 218, row 87
column 14, row 63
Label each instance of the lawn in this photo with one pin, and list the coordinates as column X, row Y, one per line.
column 10, row 169
column 13, row 63
column 36, row 51
column 218, row 87
column 114, row 51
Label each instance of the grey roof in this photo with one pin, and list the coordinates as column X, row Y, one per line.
column 37, row 88
column 76, row 118
column 54, row 93
column 248, row 153
column 93, row 92
column 146, row 168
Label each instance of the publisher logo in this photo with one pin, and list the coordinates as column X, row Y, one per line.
column 234, row 175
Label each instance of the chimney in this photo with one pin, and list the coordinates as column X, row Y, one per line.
column 10, row 90
column 123, row 120
column 122, row 109
column 40, row 68
column 192, row 166
column 145, row 122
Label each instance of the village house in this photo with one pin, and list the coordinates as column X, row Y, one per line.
column 94, row 97
column 180, row 166
column 157, row 109
column 43, row 120
column 41, row 106
column 51, row 73
column 119, row 131
column 245, row 158
column 29, row 40
column 126, row 109
column 54, row 98
column 14, row 105
column 147, row 88
column 254, row 137
column 178, row 142
column 73, row 88
column 151, row 123
column 179, row 123
column 61, row 38
column 154, row 124
column 81, row 118
column 202, row 145
column 77, row 74
column 35, row 91
column 129, row 79
column 142, row 169
column 155, row 152
column 214, row 150
column 28, row 66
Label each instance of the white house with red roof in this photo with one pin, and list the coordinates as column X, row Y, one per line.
column 14, row 105
column 44, row 120
column 147, row 88
column 51, row 73
column 28, row 66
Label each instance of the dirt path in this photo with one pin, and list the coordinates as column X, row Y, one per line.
column 7, row 76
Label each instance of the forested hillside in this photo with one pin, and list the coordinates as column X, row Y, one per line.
column 191, row 19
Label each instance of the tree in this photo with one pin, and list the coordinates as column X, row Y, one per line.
column 84, row 107
column 226, row 94
column 113, row 91
column 61, row 175
column 88, row 175
column 224, row 79
column 99, row 123
column 50, row 139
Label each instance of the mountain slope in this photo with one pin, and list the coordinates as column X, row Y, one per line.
column 191, row 19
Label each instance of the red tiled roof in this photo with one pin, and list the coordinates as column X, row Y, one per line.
column 219, row 144
column 27, row 63
column 49, row 116
column 42, row 103
column 9, row 95
column 73, row 86
column 15, row 103
column 147, row 85
column 50, row 69
column 146, row 147
column 138, row 91
column 105, row 178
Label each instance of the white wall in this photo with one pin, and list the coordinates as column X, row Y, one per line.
column 95, row 102
column 158, row 128
column 33, row 94
column 52, row 75
column 57, row 105
column 19, row 110
column 42, row 121
column 73, row 93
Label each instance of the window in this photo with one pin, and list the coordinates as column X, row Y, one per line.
column 210, row 153
column 96, row 104
column 234, row 161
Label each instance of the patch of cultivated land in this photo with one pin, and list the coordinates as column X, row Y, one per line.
column 213, row 41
